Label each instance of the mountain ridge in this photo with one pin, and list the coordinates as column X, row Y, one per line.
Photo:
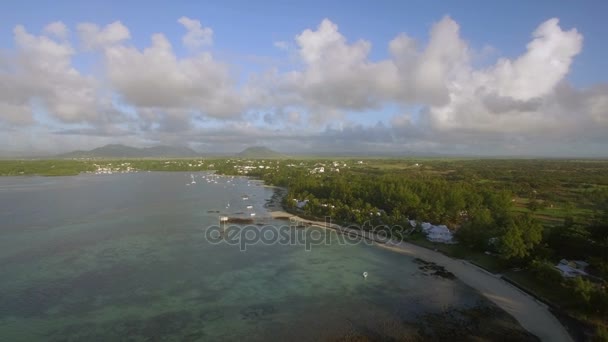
column 259, row 152
column 124, row 151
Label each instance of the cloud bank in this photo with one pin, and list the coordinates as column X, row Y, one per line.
column 329, row 95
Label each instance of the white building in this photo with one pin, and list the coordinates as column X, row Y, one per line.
column 300, row 204
column 440, row 233
column 572, row 269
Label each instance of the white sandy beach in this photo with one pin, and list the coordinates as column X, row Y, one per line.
column 534, row 316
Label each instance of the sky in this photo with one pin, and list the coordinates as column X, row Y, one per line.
column 479, row 78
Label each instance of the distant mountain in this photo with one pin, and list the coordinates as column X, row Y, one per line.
column 374, row 154
column 122, row 151
column 259, row 152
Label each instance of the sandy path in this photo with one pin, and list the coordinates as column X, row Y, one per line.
column 534, row 316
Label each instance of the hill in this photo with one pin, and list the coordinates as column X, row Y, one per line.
column 259, row 152
column 122, row 151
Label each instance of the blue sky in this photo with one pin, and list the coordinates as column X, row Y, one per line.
column 244, row 37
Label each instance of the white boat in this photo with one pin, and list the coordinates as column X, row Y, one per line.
column 245, row 198
column 252, row 214
column 364, row 274
column 249, row 207
column 193, row 182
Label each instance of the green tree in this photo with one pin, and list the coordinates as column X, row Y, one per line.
column 535, row 205
column 601, row 334
column 477, row 230
column 582, row 289
column 520, row 236
column 545, row 271
column 569, row 241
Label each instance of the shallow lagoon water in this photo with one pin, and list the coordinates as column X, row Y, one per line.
column 124, row 257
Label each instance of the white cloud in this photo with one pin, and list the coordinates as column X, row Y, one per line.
column 336, row 77
column 281, row 45
column 57, row 29
column 537, row 72
column 156, row 78
column 93, row 37
column 513, row 96
column 41, row 75
column 426, row 75
column 197, row 36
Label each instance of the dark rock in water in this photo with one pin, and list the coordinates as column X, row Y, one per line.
column 240, row 220
column 431, row 268
column 444, row 274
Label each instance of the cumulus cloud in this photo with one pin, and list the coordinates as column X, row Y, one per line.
column 281, row 45
column 94, row 37
column 155, row 78
column 426, row 75
column 336, row 77
column 197, row 35
column 57, row 29
column 503, row 104
column 40, row 75
column 544, row 64
column 520, row 89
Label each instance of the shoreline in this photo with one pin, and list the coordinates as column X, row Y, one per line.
column 532, row 315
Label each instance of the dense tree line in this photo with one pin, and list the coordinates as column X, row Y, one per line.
column 479, row 212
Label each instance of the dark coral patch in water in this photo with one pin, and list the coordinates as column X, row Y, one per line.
column 432, row 269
